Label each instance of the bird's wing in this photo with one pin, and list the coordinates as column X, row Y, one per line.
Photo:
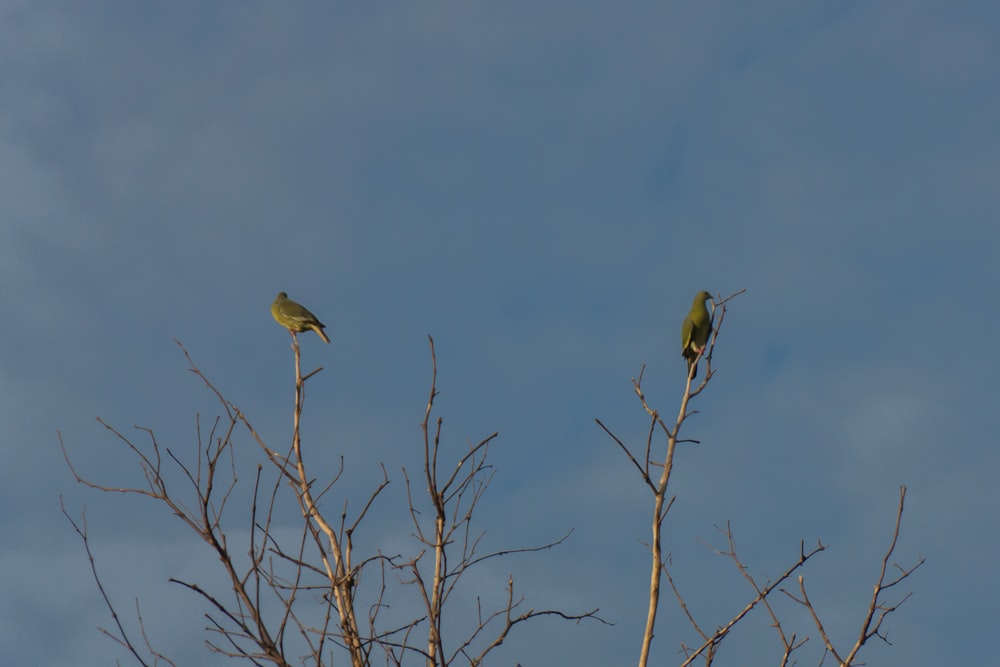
column 686, row 330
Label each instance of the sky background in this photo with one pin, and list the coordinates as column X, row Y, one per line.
column 542, row 187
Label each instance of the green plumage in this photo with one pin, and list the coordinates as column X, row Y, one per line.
column 296, row 318
column 695, row 331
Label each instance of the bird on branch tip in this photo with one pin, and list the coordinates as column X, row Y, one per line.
column 295, row 317
column 695, row 331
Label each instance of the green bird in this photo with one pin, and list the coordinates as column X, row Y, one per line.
column 695, row 331
column 295, row 317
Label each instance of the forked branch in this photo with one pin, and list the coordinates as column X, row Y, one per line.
column 878, row 608
column 451, row 545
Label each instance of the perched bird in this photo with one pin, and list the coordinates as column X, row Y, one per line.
column 695, row 331
column 296, row 318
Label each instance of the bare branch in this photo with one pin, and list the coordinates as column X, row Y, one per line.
column 868, row 628
column 122, row 637
column 877, row 610
column 453, row 500
column 644, row 472
column 762, row 594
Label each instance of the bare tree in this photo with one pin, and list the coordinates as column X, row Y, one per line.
column 655, row 470
column 302, row 593
column 254, row 622
column 310, row 586
column 453, row 496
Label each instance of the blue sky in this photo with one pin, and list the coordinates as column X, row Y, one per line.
column 542, row 187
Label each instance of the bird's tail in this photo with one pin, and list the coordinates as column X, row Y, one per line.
column 319, row 332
